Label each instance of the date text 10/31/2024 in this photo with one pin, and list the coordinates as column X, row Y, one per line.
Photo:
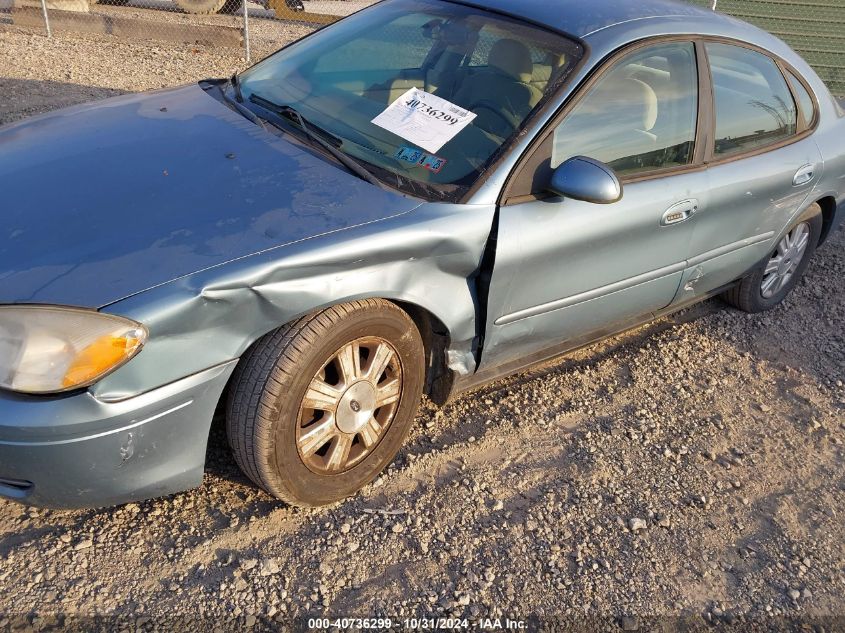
column 446, row 624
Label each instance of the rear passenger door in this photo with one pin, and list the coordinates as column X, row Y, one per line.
column 762, row 165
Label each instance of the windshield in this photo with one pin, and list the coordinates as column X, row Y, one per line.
column 478, row 78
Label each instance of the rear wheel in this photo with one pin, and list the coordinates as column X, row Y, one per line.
column 770, row 284
column 321, row 406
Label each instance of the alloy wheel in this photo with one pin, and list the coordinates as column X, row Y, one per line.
column 785, row 261
column 349, row 405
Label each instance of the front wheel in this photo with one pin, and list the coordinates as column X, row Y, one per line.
column 770, row 284
column 321, row 406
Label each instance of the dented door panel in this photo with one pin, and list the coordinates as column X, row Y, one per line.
column 752, row 202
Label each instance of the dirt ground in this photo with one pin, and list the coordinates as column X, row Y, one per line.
column 688, row 474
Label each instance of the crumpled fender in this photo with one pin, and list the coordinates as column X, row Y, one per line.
column 427, row 257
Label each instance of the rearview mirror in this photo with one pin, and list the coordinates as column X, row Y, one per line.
column 586, row 179
column 431, row 29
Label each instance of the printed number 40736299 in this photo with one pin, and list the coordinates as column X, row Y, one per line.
column 416, row 104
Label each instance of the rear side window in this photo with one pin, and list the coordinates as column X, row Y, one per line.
column 804, row 98
column 754, row 106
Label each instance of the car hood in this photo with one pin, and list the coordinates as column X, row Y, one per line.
column 105, row 200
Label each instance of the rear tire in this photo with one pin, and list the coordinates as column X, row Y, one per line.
column 775, row 278
column 318, row 408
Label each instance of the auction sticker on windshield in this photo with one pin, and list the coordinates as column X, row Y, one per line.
column 424, row 119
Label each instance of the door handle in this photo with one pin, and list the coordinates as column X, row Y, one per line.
column 679, row 212
column 804, row 175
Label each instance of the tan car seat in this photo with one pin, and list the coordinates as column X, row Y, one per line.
column 502, row 94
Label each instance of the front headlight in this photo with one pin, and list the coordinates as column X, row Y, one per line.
column 46, row 349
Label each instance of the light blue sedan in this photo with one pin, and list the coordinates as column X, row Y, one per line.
column 418, row 199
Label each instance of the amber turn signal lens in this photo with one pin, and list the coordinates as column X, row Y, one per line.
column 99, row 357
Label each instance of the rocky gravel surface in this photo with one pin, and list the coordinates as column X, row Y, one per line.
column 689, row 474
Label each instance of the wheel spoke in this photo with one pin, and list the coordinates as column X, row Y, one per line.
column 769, row 284
column 783, row 246
column 388, row 393
column 379, row 362
column 339, row 452
column 370, row 433
column 316, row 437
column 773, row 265
column 349, row 359
column 800, row 244
column 321, row 396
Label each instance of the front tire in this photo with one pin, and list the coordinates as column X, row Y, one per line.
column 773, row 280
column 321, row 406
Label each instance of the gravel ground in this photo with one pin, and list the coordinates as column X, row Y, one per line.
column 689, row 473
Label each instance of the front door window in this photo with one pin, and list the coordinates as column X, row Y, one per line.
column 641, row 115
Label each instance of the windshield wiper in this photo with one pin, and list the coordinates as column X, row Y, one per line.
column 238, row 105
column 315, row 134
column 289, row 112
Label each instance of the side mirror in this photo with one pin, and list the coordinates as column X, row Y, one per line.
column 586, row 179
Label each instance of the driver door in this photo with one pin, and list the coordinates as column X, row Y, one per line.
column 568, row 270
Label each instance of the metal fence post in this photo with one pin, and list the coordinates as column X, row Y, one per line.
column 46, row 18
column 246, row 29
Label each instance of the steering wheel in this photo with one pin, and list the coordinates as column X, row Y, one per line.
column 498, row 110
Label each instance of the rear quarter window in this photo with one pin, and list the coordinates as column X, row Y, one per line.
column 804, row 98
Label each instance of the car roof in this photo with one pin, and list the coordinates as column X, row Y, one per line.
column 583, row 17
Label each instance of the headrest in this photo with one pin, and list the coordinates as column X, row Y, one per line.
column 630, row 100
column 512, row 58
column 542, row 74
column 555, row 60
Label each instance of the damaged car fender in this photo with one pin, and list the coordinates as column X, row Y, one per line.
column 428, row 257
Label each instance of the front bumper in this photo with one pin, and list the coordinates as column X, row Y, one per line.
column 79, row 452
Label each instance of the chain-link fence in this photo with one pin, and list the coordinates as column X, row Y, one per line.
column 814, row 28
column 249, row 28
column 253, row 28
